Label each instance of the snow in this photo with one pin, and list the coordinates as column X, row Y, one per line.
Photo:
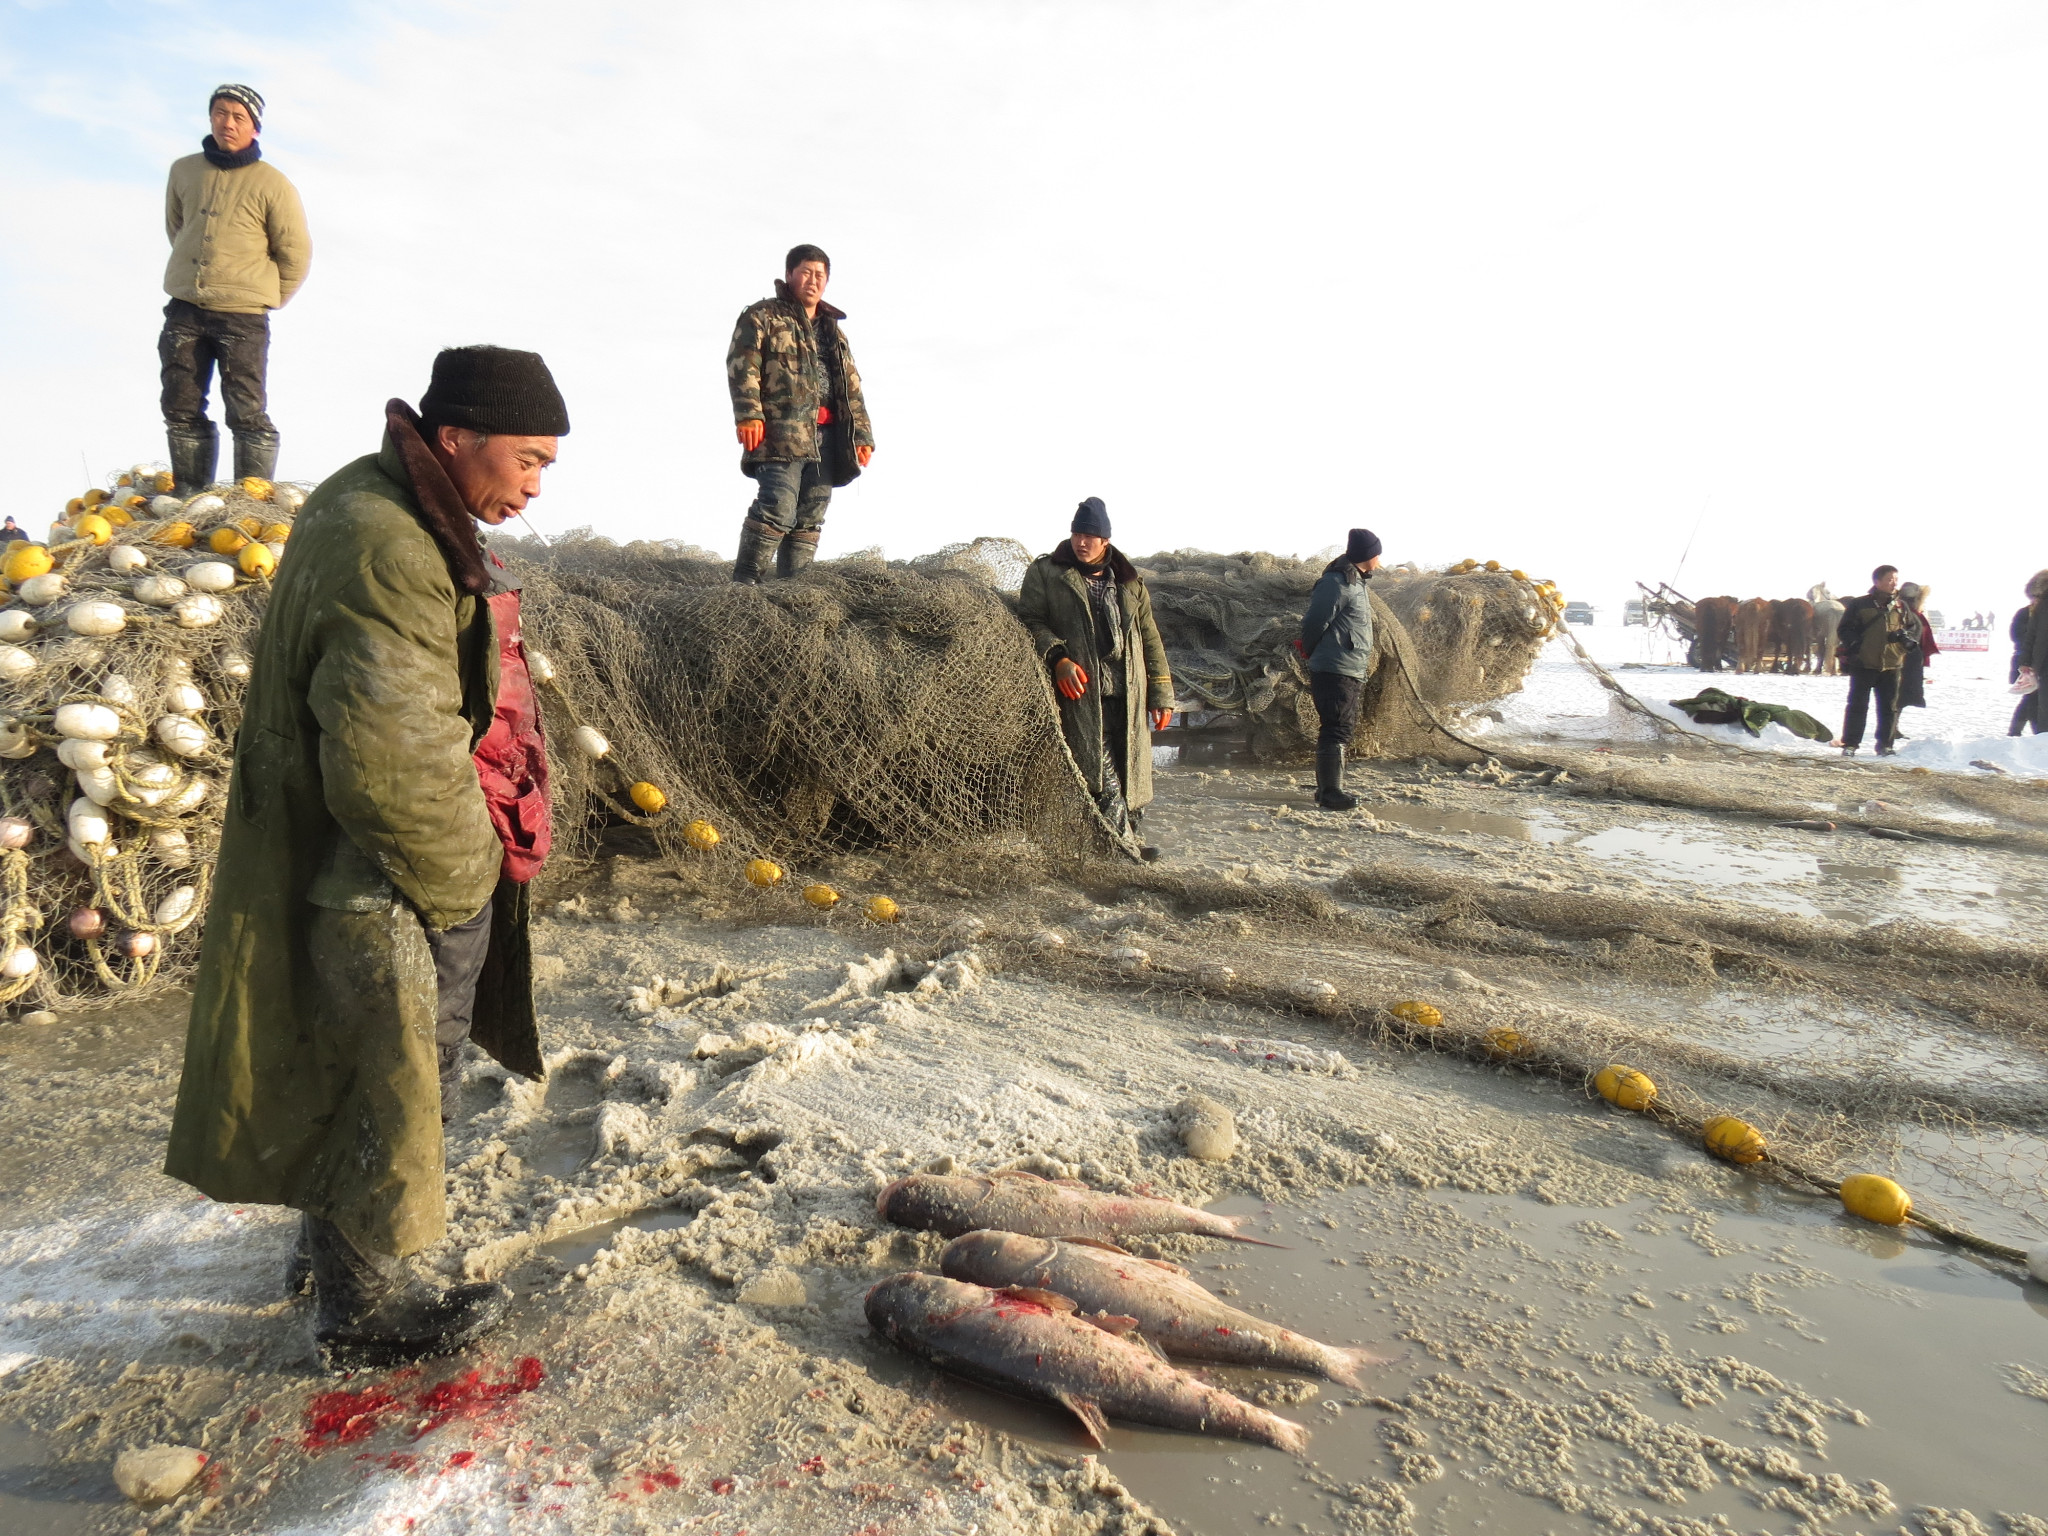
column 1969, row 704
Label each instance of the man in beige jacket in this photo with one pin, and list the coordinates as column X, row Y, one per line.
column 239, row 249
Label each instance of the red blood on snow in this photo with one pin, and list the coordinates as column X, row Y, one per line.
column 345, row 1417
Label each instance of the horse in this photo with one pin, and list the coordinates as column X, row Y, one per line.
column 1752, row 634
column 1827, row 619
column 1713, row 624
column 1792, row 633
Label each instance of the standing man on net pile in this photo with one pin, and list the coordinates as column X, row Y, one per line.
column 1336, row 643
column 239, row 249
column 1876, row 632
column 388, row 804
column 1090, row 616
column 800, row 417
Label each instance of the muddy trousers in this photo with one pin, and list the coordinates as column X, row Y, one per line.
column 1336, row 698
column 786, row 519
column 1116, row 742
column 193, row 343
column 1864, row 682
column 458, row 961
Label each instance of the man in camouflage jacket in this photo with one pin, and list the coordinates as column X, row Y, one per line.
column 797, row 407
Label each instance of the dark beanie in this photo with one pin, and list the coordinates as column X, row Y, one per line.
column 494, row 389
column 1363, row 545
column 1091, row 518
column 247, row 95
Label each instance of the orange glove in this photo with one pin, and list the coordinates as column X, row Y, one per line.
column 1070, row 678
column 1161, row 719
column 862, row 454
column 752, row 434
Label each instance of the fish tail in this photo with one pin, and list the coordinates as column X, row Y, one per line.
column 1347, row 1367
column 1284, row 1434
column 1229, row 1226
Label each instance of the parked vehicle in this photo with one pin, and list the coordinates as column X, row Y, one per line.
column 1578, row 613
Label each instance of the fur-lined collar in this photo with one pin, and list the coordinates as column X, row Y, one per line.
column 440, row 507
column 788, row 296
column 1125, row 571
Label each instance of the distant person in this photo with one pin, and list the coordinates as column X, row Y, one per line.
column 239, row 249
column 1877, row 630
column 2029, row 632
column 388, row 805
column 1090, row 616
column 1336, row 639
column 800, row 417
column 11, row 530
column 1913, row 676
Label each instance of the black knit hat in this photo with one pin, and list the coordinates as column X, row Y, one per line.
column 494, row 389
column 1362, row 546
column 1091, row 518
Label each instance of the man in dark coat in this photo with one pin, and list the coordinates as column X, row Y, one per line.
column 1336, row 640
column 2029, row 634
column 798, row 410
column 388, row 802
column 1876, row 632
column 1090, row 616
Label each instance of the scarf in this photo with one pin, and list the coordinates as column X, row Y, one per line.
column 222, row 160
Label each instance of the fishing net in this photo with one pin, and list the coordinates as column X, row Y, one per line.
column 125, row 657
column 1458, row 639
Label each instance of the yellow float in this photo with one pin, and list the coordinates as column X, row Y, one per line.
column 821, row 896
column 1424, row 1014
column 880, row 909
column 764, row 873
column 1625, row 1087
column 91, row 525
column 1876, row 1198
column 701, row 835
column 256, row 560
column 227, row 541
column 1505, row 1042
column 25, row 562
column 1736, row 1140
column 176, row 535
column 256, row 488
column 648, row 797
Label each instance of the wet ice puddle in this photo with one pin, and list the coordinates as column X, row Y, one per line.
column 1590, row 1322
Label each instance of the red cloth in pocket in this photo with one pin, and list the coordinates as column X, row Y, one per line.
column 512, row 759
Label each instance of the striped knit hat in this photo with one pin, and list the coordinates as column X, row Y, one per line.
column 244, row 94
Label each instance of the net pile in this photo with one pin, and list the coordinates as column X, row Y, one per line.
column 122, row 669
column 1465, row 637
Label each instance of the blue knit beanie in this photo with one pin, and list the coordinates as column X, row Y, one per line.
column 1091, row 518
column 1364, row 544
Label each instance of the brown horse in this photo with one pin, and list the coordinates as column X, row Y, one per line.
column 1792, row 633
column 1713, row 625
column 1752, row 634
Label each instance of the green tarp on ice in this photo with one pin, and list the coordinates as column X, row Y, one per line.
column 1710, row 706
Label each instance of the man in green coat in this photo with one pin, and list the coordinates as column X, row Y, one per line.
column 1090, row 616
column 367, row 889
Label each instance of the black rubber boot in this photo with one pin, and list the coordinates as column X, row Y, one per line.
column 374, row 1311
column 256, row 454
column 797, row 552
column 193, row 457
column 298, row 1269
column 1330, row 780
column 760, row 549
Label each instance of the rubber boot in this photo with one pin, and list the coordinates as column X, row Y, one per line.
column 193, row 457
column 375, row 1312
column 1330, row 780
column 760, row 549
column 797, row 552
column 298, row 1269
column 256, row 454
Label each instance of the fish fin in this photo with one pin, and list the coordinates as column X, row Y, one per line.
column 1111, row 1322
column 1089, row 1412
column 1171, row 1269
column 1096, row 1242
column 1233, row 1222
column 1015, row 1173
column 1347, row 1367
column 1052, row 1299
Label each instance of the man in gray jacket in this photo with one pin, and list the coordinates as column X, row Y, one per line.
column 239, row 249
column 1336, row 638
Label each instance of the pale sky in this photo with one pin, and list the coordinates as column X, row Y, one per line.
column 1553, row 283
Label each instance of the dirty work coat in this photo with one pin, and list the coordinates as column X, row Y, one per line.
column 778, row 373
column 238, row 237
column 1054, row 607
column 353, row 817
column 1336, row 632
